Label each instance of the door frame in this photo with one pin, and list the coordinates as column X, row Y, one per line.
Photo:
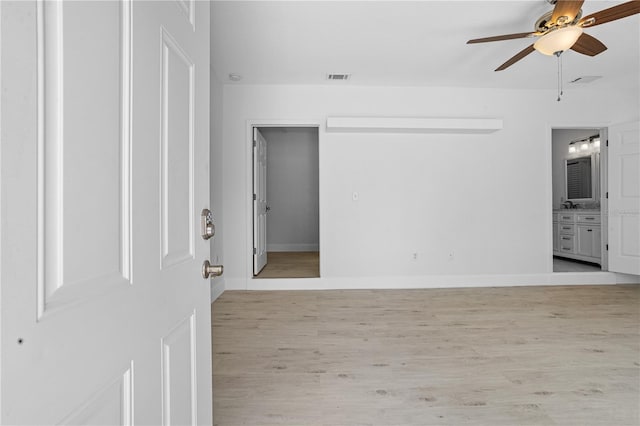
column 314, row 123
column 604, row 185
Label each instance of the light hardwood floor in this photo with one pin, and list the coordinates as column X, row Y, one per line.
column 483, row 356
column 291, row 264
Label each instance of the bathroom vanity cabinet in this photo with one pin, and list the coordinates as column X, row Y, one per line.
column 577, row 235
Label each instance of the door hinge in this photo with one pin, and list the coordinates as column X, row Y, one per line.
column 607, row 195
column 254, row 197
column 607, row 144
column 255, row 251
column 606, row 247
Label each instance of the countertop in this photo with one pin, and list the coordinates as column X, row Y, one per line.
column 595, row 211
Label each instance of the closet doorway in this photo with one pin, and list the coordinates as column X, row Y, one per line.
column 286, row 238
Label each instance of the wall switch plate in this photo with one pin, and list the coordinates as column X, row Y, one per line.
column 355, row 196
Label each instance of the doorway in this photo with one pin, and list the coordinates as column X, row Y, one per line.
column 286, row 202
column 579, row 182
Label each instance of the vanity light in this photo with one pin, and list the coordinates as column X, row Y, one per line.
column 584, row 146
column 596, row 143
column 572, row 148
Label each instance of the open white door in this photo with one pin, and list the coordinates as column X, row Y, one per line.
column 259, row 201
column 104, row 160
column 624, row 198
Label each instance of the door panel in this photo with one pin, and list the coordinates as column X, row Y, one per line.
column 179, row 374
column 624, row 198
column 171, row 110
column 104, row 173
column 177, row 153
column 83, row 191
column 112, row 405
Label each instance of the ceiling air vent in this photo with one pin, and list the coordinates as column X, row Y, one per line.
column 338, row 76
column 585, row 79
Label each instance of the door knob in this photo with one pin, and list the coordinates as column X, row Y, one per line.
column 210, row 271
column 207, row 228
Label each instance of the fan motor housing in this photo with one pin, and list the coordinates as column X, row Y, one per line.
column 543, row 23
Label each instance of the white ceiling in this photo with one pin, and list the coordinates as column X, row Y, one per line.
column 419, row 43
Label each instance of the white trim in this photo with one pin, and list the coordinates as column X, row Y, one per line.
column 603, row 129
column 248, row 146
column 126, row 149
column 293, row 247
column 455, row 125
column 434, row 281
column 604, row 201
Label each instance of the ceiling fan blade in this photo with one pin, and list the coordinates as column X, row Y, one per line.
column 567, row 8
column 588, row 45
column 611, row 14
column 501, row 37
column 516, row 58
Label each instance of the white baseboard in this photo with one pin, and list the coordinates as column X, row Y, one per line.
column 628, row 279
column 217, row 288
column 432, row 281
column 293, row 247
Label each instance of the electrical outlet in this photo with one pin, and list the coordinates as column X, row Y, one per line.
column 451, row 257
column 414, row 256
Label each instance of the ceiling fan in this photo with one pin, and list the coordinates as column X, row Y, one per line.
column 562, row 29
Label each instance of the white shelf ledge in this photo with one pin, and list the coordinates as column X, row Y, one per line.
column 416, row 124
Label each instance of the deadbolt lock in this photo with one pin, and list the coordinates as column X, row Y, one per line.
column 207, row 228
column 210, row 271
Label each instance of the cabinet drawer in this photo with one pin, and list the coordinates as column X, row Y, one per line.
column 588, row 218
column 566, row 243
column 566, row 228
column 565, row 217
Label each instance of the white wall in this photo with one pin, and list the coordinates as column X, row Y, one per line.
column 467, row 204
column 216, row 184
column 561, row 139
column 292, row 188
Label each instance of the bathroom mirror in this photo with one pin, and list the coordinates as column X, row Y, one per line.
column 580, row 179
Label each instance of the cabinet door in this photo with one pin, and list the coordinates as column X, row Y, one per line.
column 585, row 241
column 588, row 240
column 596, row 242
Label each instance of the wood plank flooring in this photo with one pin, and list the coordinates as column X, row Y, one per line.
column 291, row 264
column 483, row 356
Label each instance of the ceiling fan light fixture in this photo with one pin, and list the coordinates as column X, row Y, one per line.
column 558, row 40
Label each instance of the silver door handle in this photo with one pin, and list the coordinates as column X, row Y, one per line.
column 210, row 271
column 207, row 228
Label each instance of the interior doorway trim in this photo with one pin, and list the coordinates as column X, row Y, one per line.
column 248, row 144
column 550, row 127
